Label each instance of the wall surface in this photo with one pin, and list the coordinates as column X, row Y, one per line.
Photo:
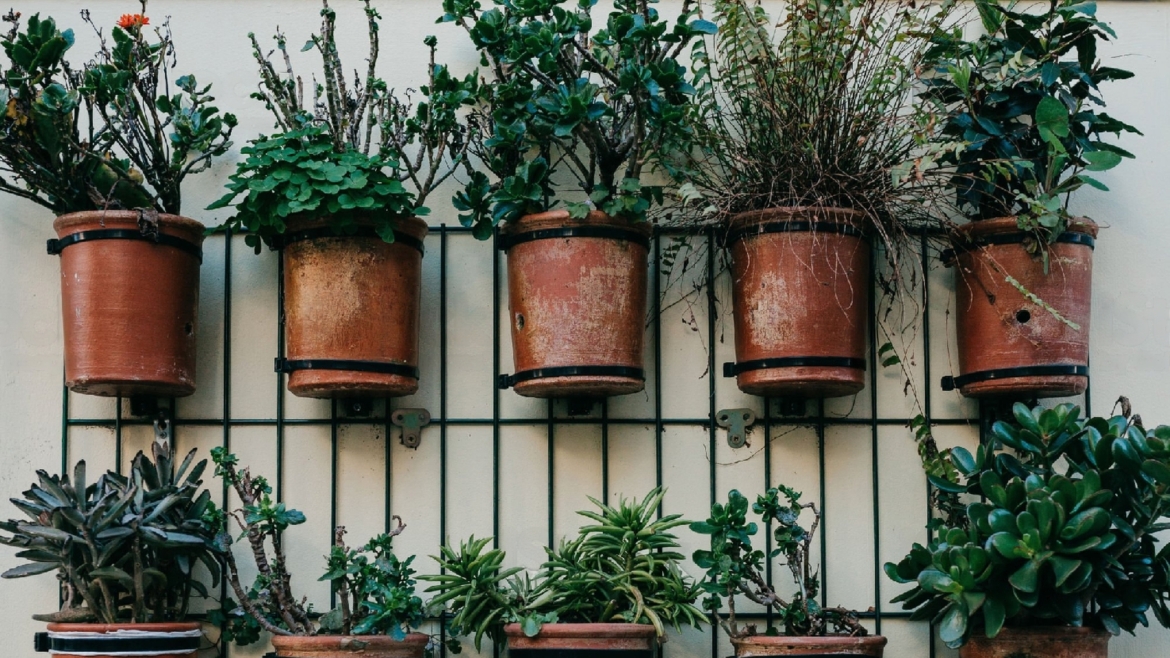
column 498, row 464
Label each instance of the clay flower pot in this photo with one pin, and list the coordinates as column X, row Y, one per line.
column 828, row 645
column 800, row 284
column 577, row 296
column 351, row 310
column 350, row 646
column 633, row 640
column 177, row 640
column 129, row 301
column 1039, row 642
column 1008, row 343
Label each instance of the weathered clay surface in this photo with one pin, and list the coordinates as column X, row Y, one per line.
column 355, row 646
column 829, row 645
column 800, row 294
column 352, row 298
column 999, row 327
column 629, row 637
column 129, row 307
column 574, row 302
column 180, row 627
column 1050, row 642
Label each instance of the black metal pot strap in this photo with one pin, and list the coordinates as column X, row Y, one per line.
column 287, row 366
column 793, row 227
column 1068, row 237
column 581, row 653
column 400, row 237
column 507, row 241
column 733, row 369
column 57, row 245
column 1062, row 370
column 114, row 645
column 508, row 381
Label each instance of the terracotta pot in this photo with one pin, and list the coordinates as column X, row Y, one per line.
column 800, row 284
column 1000, row 329
column 589, row 637
column 829, row 645
column 1043, row 642
column 350, row 646
column 89, row 640
column 130, row 306
column 577, row 301
column 352, row 299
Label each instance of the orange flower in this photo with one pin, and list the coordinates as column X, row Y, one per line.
column 128, row 21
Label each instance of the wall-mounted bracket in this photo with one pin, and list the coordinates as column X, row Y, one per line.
column 581, row 406
column 411, row 421
column 144, row 406
column 357, row 407
column 736, row 421
column 789, row 407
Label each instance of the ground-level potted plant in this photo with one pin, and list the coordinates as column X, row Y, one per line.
column 1022, row 130
column 735, row 569
column 613, row 588
column 1062, row 549
column 106, row 148
column 586, row 102
column 802, row 155
column 376, row 603
column 127, row 552
column 340, row 190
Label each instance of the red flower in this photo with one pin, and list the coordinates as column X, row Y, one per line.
column 128, row 21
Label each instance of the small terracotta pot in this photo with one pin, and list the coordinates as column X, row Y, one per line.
column 352, row 298
column 577, row 301
column 800, row 284
column 591, row 637
column 182, row 632
column 350, row 646
column 828, row 645
column 1040, row 642
column 1000, row 329
column 129, row 306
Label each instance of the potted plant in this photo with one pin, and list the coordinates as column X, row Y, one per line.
column 376, row 604
column 569, row 100
column 1022, row 128
column 735, row 569
column 126, row 551
column 615, row 587
column 1061, row 550
column 340, row 189
column 106, row 148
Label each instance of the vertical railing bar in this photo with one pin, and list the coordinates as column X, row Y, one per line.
column 280, row 376
column 824, row 508
column 873, row 413
column 64, row 424
column 226, row 439
column 658, row 426
column 495, row 402
column 332, row 485
column 928, row 410
column 768, row 485
column 711, row 394
column 605, row 451
column 443, row 415
column 551, row 471
column 388, row 467
column 118, row 435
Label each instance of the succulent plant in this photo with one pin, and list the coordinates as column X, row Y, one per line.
column 1064, row 533
column 124, row 548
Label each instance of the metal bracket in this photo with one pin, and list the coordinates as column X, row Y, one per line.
column 144, row 406
column 357, row 407
column 789, row 407
column 581, row 406
column 736, row 421
column 411, row 421
column 41, row 642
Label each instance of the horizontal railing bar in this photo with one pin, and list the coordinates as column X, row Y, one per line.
column 465, row 422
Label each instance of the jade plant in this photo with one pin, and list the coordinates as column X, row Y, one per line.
column 123, row 548
column 119, row 132
column 1064, row 531
column 574, row 100
column 735, row 568
column 351, row 149
column 375, row 589
column 622, row 568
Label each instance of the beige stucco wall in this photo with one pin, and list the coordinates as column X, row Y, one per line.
column 1131, row 355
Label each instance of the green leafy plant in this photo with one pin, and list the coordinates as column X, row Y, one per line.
column 124, row 548
column 1021, row 107
column 1064, row 532
column 734, row 568
column 622, row 568
column 593, row 105
column 361, row 152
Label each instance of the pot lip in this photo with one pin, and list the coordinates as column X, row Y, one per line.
column 1045, row 632
column 586, row 630
column 71, row 222
column 1000, row 225
column 325, row 641
column 559, row 217
column 157, row 627
column 829, row 214
column 409, row 224
column 843, row 640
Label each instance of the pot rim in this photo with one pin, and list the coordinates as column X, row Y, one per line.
column 573, row 630
column 409, row 224
column 155, row 627
column 843, row 640
column 1000, row 225
column 559, row 217
column 831, row 214
column 328, row 641
column 1045, row 631
column 69, row 222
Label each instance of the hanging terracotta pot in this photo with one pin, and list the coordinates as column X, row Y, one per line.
column 1010, row 343
column 1039, row 642
column 351, row 310
column 577, row 296
column 350, row 646
column 177, row 640
column 129, row 301
column 756, row 646
column 800, row 284
column 632, row 640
